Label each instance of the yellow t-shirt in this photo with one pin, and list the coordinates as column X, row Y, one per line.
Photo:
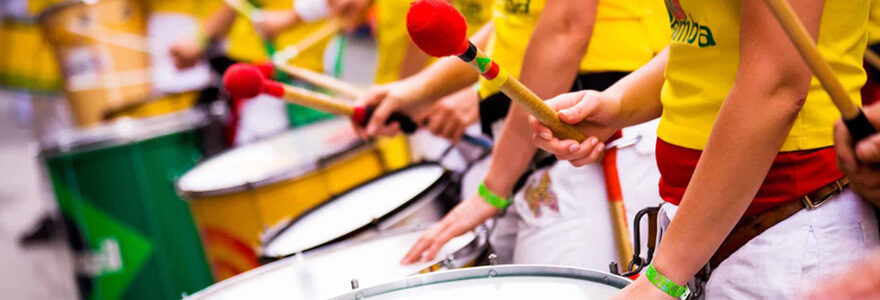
column 703, row 60
column 392, row 38
column 245, row 43
column 627, row 34
column 874, row 23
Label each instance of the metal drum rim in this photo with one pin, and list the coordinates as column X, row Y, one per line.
column 348, row 151
column 487, row 272
column 122, row 132
column 445, row 178
column 479, row 243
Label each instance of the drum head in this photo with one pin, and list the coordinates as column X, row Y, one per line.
column 324, row 274
column 287, row 155
column 354, row 209
column 499, row 282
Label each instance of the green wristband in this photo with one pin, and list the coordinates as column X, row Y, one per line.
column 492, row 198
column 667, row 286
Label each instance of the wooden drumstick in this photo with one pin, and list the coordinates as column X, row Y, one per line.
column 440, row 30
column 872, row 58
column 246, row 81
column 855, row 120
column 281, row 61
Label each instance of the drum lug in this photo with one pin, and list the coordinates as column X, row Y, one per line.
column 355, row 284
column 493, row 259
column 449, row 262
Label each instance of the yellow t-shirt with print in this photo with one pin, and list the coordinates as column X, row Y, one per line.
column 703, row 61
column 627, row 34
column 392, row 38
column 245, row 44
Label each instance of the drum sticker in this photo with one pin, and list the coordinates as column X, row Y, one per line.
column 539, row 193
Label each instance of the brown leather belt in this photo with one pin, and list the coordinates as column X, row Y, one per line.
column 751, row 226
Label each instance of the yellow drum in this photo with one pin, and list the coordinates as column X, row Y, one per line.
column 238, row 194
column 102, row 72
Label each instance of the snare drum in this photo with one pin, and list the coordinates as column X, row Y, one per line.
column 329, row 272
column 499, row 282
column 101, row 72
column 236, row 195
column 418, row 194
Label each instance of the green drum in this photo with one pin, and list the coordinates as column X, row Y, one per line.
column 132, row 236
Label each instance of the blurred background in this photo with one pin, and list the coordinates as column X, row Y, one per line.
column 128, row 172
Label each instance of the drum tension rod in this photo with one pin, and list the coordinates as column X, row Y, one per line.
column 638, row 263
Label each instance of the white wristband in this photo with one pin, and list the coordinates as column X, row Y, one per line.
column 311, row 10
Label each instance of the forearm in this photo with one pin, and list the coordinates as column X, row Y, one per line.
column 747, row 135
column 219, row 23
column 512, row 153
column 638, row 94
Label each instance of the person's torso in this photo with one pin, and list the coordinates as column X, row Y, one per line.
column 703, row 61
column 626, row 35
column 246, row 44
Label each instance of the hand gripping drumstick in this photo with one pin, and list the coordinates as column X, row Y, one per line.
column 440, row 30
column 246, row 81
column 855, row 120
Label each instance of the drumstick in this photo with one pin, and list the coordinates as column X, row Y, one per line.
column 855, row 120
column 281, row 59
column 872, row 58
column 440, row 30
column 246, row 81
column 615, row 200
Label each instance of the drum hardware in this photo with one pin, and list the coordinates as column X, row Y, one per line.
column 493, row 259
column 625, row 141
column 354, row 284
column 638, row 263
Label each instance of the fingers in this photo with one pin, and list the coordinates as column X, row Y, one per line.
column 581, row 110
column 565, row 100
column 594, row 156
column 415, row 253
column 868, row 150
column 846, row 159
column 438, row 244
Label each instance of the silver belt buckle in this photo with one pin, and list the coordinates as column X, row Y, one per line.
column 810, row 205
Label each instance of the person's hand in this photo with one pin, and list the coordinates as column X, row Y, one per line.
column 452, row 115
column 186, row 53
column 589, row 111
column 397, row 96
column 860, row 162
column 641, row 288
column 465, row 217
column 351, row 11
column 274, row 22
column 861, row 281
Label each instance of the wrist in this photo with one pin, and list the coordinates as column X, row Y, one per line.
column 497, row 187
column 663, row 284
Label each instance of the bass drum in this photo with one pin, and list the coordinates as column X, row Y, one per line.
column 498, row 282
column 418, row 194
column 333, row 271
column 236, row 195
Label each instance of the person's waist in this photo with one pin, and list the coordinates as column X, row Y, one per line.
column 792, row 174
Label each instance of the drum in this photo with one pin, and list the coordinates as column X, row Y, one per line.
column 498, row 282
column 418, row 194
column 101, row 71
column 132, row 235
column 236, row 195
column 329, row 272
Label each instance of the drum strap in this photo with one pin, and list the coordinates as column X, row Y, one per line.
column 751, row 226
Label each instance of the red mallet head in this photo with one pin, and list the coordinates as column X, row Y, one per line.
column 437, row 28
column 246, row 81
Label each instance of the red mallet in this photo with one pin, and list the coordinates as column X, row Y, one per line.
column 439, row 29
column 247, row 81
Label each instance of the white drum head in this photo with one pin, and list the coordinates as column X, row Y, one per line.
column 354, row 209
column 327, row 274
column 291, row 153
column 498, row 282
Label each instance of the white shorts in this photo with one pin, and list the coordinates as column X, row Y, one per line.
column 561, row 216
column 804, row 250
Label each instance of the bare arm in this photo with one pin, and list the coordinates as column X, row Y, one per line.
column 219, row 23
column 550, row 66
column 771, row 85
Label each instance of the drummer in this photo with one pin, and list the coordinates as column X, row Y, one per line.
column 263, row 115
column 551, row 65
column 749, row 136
